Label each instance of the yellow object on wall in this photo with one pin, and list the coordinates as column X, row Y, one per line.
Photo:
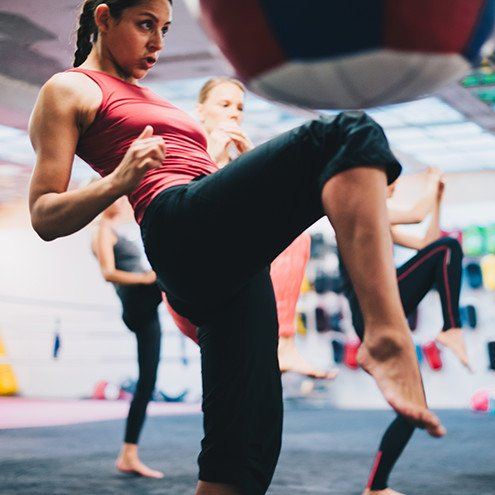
column 488, row 271
column 8, row 382
column 306, row 285
column 301, row 328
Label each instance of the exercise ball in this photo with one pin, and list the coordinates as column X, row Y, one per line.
column 348, row 54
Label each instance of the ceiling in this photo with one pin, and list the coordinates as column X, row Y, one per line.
column 453, row 129
column 37, row 40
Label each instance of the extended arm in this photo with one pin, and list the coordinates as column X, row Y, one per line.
column 420, row 209
column 433, row 231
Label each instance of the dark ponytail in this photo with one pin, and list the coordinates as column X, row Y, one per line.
column 87, row 32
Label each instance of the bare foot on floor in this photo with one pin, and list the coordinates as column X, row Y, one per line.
column 391, row 360
column 290, row 359
column 454, row 340
column 128, row 462
column 387, row 491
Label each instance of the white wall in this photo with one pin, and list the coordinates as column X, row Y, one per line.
column 40, row 282
column 44, row 282
column 469, row 201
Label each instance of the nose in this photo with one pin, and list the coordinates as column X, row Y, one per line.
column 235, row 114
column 156, row 42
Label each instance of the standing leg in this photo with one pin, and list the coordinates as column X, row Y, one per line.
column 148, row 345
column 148, row 335
column 242, row 395
column 438, row 264
column 398, row 433
column 392, row 445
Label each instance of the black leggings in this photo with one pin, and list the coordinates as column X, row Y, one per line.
column 211, row 241
column 438, row 265
column 140, row 314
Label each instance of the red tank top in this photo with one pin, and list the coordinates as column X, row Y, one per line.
column 125, row 111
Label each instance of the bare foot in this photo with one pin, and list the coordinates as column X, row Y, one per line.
column 391, row 361
column 128, row 462
column 290, row 359
column 387, row 491
column 454, row 340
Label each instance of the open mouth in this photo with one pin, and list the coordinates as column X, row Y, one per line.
column 151, row 60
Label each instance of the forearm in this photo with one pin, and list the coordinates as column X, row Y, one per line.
column 56, row 215
column 124, row 278
column 433, row 232
column 425, row 204
column 416, row 213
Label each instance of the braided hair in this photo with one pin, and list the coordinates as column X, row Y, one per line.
column 87, row 32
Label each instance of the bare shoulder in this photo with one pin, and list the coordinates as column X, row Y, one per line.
column 68, row 97
column 73, row 87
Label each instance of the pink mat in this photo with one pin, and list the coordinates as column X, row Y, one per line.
column 17, row 412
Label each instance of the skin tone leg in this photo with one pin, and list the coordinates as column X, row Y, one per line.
column 354, row 201
column 454, row 340
column 128, row 462
column 290, row 359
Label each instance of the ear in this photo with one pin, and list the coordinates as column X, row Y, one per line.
column 102, row 17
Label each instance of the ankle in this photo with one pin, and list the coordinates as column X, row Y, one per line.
column 384, row 345
column 285, row 343
column 129, row 450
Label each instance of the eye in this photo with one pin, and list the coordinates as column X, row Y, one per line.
column 165, row 30
column 147, row 24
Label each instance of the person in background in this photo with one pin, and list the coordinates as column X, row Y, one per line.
column 120, row 257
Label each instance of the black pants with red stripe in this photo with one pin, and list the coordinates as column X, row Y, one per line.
column 439, row 266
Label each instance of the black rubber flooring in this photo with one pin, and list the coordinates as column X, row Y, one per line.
column 325, row 452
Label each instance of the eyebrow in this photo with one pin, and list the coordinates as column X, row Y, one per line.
column 155, row 18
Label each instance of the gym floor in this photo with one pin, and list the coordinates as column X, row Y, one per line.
column 325, row 452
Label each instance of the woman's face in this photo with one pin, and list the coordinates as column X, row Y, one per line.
column 134, row 41
column 224, row 103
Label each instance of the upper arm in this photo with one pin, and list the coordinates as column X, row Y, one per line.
column 54, row 129
column 407, row 240
column 103, row 245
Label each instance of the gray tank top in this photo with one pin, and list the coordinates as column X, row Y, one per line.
column 128, row 252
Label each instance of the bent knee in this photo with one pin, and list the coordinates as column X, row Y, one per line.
column 452, row 244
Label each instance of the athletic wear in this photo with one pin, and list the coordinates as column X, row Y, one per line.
column 210, row 242
column 393, row 443
column 140, row 314
column 126, row 109
column 438, row 265
column 287, row 273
